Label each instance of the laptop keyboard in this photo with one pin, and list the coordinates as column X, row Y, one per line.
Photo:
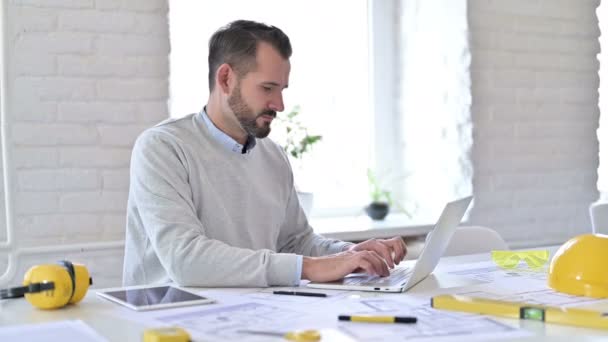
column 398, row 276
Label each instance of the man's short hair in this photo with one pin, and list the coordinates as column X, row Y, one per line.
column 236, row 44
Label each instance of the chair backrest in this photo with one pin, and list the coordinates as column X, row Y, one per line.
column 474, row 239
column 599, row 217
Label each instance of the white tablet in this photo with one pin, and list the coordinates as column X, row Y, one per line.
column 141, row 298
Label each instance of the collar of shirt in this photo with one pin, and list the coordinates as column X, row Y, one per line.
column 225, row 140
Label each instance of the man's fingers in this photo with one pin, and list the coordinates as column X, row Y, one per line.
column 404, row 246
column 392, row 251
column 374, row 264
column 399, row 249
column 366, row 266
column 377, row 262
column 399, row 246
column 384, row 251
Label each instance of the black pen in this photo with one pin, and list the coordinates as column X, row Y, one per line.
column 297, row 293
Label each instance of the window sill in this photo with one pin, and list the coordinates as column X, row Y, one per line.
column 360, row 228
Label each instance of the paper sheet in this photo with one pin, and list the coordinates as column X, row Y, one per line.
column 50, row 332
column 438, row 330
column 261, row 310
column 540, row 297
column 489, row 272
column 224, row 323
column 432, row 325
column 519, row 284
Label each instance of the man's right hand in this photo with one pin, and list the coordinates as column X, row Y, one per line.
column 337, row 266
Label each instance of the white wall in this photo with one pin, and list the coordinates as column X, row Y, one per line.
column 535, row 112
column 85, row 78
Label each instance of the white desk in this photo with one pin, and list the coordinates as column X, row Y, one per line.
column 101, row 314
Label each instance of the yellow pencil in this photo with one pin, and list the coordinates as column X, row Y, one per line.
column 549, row 314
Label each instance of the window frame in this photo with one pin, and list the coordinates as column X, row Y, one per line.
column 383, row 26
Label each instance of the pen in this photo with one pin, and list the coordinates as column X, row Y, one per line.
column 378, row 319
column 297, row 293
column 557, row 315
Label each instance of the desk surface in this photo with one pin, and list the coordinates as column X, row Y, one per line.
column 102, row 316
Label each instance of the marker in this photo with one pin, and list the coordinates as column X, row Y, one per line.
column 297, row 293
column 378, row 319
column 557, row 315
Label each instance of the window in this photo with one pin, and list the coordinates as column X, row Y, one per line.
column 386, row 83
column 434, row 105
column 335, row 46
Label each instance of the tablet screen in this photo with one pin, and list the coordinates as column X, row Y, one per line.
column 154, row 297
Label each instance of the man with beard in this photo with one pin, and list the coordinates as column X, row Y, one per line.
column 212, row 203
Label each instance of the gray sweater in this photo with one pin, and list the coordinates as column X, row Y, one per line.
column 201, row 215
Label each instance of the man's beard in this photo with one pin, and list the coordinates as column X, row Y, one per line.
column 245, row 115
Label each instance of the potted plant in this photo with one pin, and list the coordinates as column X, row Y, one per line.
column 381, row 199
column 297, row 141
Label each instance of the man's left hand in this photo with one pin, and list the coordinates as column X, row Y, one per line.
column 391, row 250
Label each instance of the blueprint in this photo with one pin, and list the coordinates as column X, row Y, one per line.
column 225, row 322
column 489, row 272
column 259, row 311
column 519, row 284
column 432, row 325
column 539, row 297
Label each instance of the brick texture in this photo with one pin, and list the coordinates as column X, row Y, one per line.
column 534, row 74
column 86, row 77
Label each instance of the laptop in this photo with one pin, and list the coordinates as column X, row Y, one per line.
column 402, row 278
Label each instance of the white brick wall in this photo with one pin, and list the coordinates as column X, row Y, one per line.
column 535, row 112
column 85, row 78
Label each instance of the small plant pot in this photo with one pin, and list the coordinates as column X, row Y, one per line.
column 377, row 210
column 306, row 201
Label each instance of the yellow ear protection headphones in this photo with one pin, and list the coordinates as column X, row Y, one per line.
column 52, row 286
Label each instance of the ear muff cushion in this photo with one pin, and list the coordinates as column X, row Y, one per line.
column 82, row 281
column 51, row 299
column 70, row 268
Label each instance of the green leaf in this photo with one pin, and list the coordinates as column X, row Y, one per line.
column 298, row 141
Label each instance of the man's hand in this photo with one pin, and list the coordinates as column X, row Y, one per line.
column 391, row 250
column 373, row 257
column 337, row 266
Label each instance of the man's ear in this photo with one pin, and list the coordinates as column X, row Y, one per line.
column 225, row 77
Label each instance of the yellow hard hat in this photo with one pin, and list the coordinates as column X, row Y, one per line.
column 579, row 266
